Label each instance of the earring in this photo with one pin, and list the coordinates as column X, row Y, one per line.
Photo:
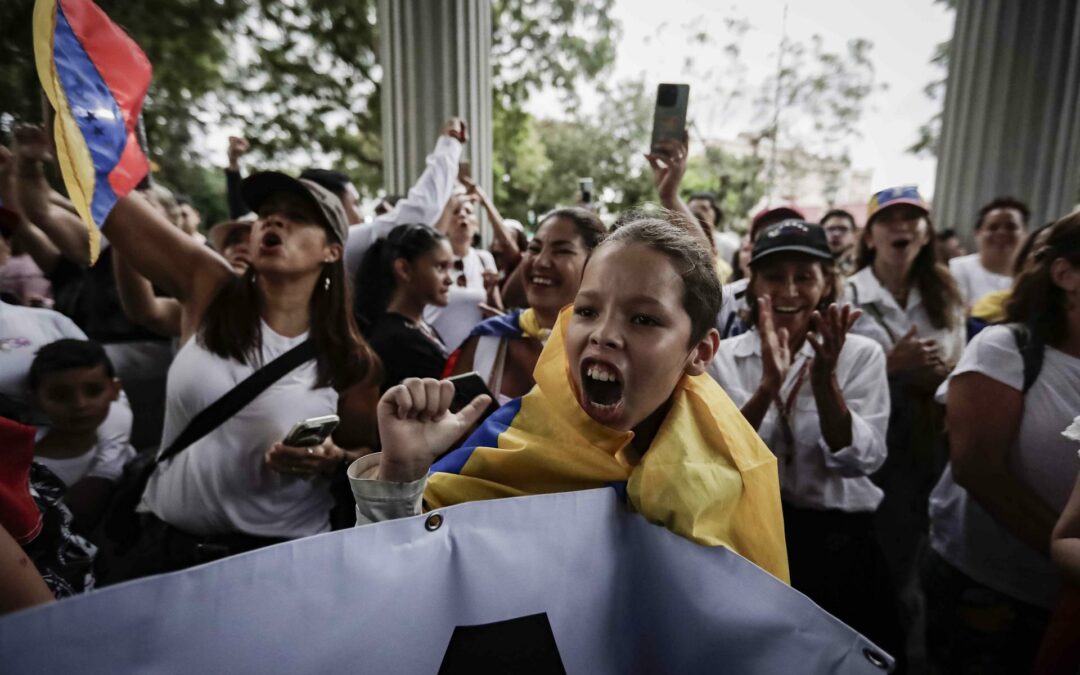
column 326, row 284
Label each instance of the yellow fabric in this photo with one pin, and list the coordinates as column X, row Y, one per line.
column 72, row 153
column 991, row 307
column 530, row 325
column 707, row 476
column 723, row 270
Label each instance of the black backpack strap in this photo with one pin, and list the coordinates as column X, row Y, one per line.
column 1031, row 351
column 239, row 396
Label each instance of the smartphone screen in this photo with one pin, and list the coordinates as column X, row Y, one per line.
column 467, row 387
column 586, row 185
column 669, row 118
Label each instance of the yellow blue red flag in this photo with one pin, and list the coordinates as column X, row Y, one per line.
column 96, row 78
column 707, row 476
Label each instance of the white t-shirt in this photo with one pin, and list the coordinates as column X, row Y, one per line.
column 25, row 330
column 812, row 475
column 105, row 460
column 461, row 314
column 422, row 206
column 1041, row 458
column 885, row 322
column 221, row 483
column 974, row 280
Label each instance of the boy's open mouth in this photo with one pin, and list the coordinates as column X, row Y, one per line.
column 601, row 389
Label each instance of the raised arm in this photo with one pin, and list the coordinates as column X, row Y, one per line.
column 669, row 167
column 498, row 227
column 28, row 236
column 238, row 147
column 160, row 315
column 167, row 257
column 64, row 228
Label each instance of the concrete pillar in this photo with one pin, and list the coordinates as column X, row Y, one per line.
column 435, row 58
column 1011, row 122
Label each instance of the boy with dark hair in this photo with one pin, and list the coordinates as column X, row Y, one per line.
column 72, row 382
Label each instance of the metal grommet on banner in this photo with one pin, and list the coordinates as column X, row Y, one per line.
column 433, row 522
column 875, row 658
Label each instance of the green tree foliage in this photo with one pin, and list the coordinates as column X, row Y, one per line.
column 300, row 78
column 606, row 147
column 185, row 40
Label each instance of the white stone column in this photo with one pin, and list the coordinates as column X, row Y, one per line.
column 435, row 57
column 1011, row 122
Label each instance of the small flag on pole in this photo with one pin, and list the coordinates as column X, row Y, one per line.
column 95, row 77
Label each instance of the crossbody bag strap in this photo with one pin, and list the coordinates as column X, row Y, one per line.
column 239, row 396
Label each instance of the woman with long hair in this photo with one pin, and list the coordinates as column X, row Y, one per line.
column 238, row 487
column 401, row 275
column 1010, row 472
column 504, row 349
column 912, row 308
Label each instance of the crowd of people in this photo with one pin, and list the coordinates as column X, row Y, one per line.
column 861, row 409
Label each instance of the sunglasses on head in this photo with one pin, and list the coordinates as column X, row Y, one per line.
column 459, row 270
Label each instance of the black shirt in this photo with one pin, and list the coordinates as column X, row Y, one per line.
column 406, row 349
column 89, row 298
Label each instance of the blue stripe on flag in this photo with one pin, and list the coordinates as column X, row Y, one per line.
column 619, row 486
column 487, row 436
column 499, row 326
column 94, row 109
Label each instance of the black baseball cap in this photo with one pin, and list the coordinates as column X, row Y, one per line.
column 792, row 236
column 258, row 186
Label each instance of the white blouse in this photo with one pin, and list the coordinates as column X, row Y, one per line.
column 811, row 474
column 884, row 321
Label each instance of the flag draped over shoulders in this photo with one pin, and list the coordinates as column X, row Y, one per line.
column 706, row 476
column 95, row 77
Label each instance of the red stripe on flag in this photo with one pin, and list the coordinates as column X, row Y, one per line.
column 119, row 60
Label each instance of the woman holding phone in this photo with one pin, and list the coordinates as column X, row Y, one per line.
column 239, row 487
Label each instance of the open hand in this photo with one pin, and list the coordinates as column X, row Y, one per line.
column 416, row 426
column 775, row 351
column 830, row 332
column 304, row 462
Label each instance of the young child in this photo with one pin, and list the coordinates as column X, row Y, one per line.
column 621, row 398
column 73, row 384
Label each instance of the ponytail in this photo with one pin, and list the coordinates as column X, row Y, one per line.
column 375, row 281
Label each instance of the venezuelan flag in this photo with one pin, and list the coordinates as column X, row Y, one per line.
column 707, row 476
column 95, row 77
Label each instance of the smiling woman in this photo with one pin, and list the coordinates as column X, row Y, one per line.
column 504, row 350
column 819, row 399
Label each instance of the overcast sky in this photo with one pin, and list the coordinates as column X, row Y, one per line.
column 904, row 35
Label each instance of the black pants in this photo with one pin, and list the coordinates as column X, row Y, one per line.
column 973, row 629
column 835, row 559
column 163, row 548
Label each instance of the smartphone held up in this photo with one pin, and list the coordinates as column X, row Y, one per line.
column 669, row 117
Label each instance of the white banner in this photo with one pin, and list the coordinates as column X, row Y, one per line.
column 571, row 581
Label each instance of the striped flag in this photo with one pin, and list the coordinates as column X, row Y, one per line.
column 95, row 77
